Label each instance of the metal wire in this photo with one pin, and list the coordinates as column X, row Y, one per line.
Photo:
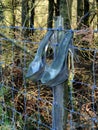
column 12, row 92
column 24, row 84
column 39, row 121
column 93, row 88
column 43, row 29
column 1, row 86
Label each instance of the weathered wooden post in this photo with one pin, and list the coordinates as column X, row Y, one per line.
column 60, row 95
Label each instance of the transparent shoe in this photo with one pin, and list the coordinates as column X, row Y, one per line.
column 37, row 66
column 57, row 72
column 60, row 78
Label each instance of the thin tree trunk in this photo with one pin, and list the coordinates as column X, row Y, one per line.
column 25, row 13
column 70, row 8
column 1, row 12
column 65, row 12
column 13, row 17
column 13, row 13
column 50, row 13
column 86, row 10
column 25, row 16
column 9, row 14
column 0, row 62
column 32, row 15
column 57, row 10
column 97, row 12
column 80, row 12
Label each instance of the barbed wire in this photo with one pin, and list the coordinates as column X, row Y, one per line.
column 38, row 120
column 45, row 29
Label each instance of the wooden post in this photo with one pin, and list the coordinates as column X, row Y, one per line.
column 60, row 97
column 60, row 115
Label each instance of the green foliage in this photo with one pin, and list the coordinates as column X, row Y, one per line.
column 3, row 113
column 5, row 127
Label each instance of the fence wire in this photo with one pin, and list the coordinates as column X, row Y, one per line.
column 25, row 105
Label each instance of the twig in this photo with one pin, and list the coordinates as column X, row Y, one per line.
column 15, row 43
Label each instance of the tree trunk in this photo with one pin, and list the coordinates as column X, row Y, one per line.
column 13, row 17
column 50, row 13
column 32, row 15
column 83, row 13
column 80, row 12
column 1, row 13
column 65, row 12
column 25, row 13
column 9, row 13
column 86, row 10
column 25, row 16
column 13, row 13
column 97, row 12
column 57, row 10
column 0, row 62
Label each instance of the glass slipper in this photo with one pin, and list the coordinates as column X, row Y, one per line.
column 52, row 72
column 60, row 78
column 64, row 73
column 37, row 66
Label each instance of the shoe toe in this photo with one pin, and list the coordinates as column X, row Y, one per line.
column 45, row 78
column 29, row 73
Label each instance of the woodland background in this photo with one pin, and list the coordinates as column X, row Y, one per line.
column 23, row 23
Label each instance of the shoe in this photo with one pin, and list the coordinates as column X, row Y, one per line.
column 64, row 73
column 60, row 78
column 57, row 72
column 37, row 66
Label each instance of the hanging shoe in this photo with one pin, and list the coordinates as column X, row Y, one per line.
column 57, row 72
column 64, row 73
column 60, row 78
column 37, row 66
